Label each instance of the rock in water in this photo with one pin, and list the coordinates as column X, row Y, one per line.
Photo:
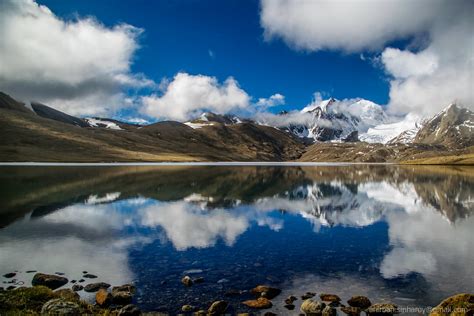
column 351, row 311
column 122, row 295
column 260, row 303
column 90, row 276
column 187, row 281
column 330, row 297
column 129, row 310
column 307, row 295
column 9, row 275
column 59, row 306
column 460, row 304
column 265, row 291
column 218, row 308
column 188, row 308
column 49, row 280
column 359, row 301
column 94, row 287
column 103, row 298
column 77, row 287
column 382, row 309
column 312, row 307
column 68, row 295
column 289, row 306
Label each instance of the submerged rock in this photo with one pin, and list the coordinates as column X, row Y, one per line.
column 9, row 275
column 265, row 291
column 289, row 306
column 308, row 295
column 382, row 309
column 359, row 301
column 187, row 281
column 290, row 299
column 460, row 304
column 330, row 297
column 89, row 276
column 129, row 310
column 312, row 307
column 103, row 298
column 198, row 280
column 77, row 287
column 49, row 280
column 60, row 306
column 260, row 303
column 217, row 308
column 94, row 287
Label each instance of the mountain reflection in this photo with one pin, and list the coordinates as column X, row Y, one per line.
column 77, row 219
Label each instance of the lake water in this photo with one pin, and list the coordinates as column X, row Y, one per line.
column 395, row 234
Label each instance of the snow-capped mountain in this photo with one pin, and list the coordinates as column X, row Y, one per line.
column 335, row 120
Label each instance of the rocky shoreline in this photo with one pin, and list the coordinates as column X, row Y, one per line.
column 48, row 295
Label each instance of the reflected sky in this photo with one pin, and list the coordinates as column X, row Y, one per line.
column 400, row 234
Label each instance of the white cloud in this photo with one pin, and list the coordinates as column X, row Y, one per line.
column 424, row 78
column 79, row 66
column 274, row 100
column 186, row 96
column 344, row 25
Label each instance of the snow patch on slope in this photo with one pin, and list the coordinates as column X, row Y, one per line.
column 95, row 122
column 383, row 133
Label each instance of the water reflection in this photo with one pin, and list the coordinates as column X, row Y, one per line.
column 396, row 233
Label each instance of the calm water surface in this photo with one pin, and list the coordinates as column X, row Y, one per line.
column 398, row 234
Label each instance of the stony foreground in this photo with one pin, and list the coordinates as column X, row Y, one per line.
column 44, row 298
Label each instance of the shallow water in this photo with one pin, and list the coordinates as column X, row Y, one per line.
column 398, row 234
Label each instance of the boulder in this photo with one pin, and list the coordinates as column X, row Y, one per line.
column 49, row 280
column 94, row 287
column 122, row 295
column 77, row 287
column 308, row 295
column 218, row 308
column 351, row 311
column 188, row 308
column 330, row 297
column 68, row 295
column 460, row 304
column 103, row 298
column 289, row 306
column 382, row 309
column 129, row 310
column 90, row 276
column 362, row 302
column 260, row 303
column 290, row 299
column 312, row 307
column 60, row 306
column 265, row 291
column 187, row 281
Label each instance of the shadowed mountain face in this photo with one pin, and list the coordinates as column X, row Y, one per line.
column 399, row 234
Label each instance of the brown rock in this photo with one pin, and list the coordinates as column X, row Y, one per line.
column 307, row 295
column 122, row 295
column 312, row 307
column 460, row 304
column 260, row 303
column 103, row 298
column 362, row 302
column 94, row 287
column 187, row 308
column 265, row 291
column 290, row 299
column 187, row 281
column 329, row 311
column 49, row 280
column 68, row 295
column 289, row 307
column 129, row 310
column 77, row 287
column 382, row 309
column 351, row 311
column 330, row 297
column 218, row 307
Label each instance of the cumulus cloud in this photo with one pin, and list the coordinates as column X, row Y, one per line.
column 274, row 100
column 186, row 96
column 423, row 77
column 78, row 66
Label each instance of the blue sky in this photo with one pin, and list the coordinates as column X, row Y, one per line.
column 174, row 59
column 178, row 36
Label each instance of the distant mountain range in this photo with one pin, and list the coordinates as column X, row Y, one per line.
column 331, row 130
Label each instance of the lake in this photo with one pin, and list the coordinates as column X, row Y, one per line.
column 401, row 234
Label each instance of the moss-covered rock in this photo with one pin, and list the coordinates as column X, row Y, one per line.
column 457, row 305
column 25, row 299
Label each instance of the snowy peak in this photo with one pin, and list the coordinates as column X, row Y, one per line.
column 209, row 119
